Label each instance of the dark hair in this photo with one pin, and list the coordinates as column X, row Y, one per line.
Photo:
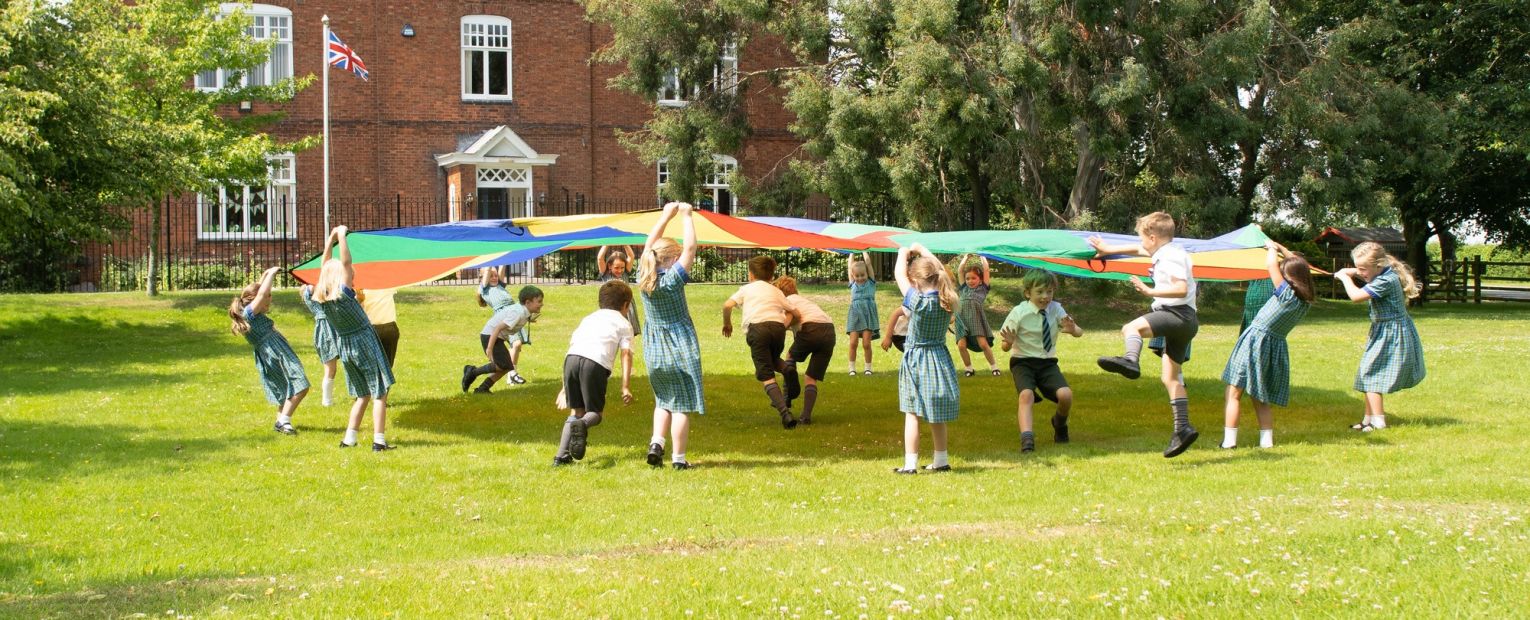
column 529, row 293
column 1037, row 277
column 1298, row 274
column 762, row 267
column 614, row 295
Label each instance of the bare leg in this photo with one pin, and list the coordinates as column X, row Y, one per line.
column 379, row 414
column 1027, row 400
column 358, row 409
column 680, row 431
column 1233, row 406
column 1266, row 416
column 866, row 346
column 1171, row 379
column 855, row 341
column 938, row 433
column 290, row 405
column 1064, row 402
column 1373, row 404
column 661, row 419
column 910, row 433
column 961, row 347
column 987, row 351
column 330, row 368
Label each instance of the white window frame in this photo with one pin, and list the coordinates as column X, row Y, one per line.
column 723, row 166
column 477, row 41
column 266, row 22
column 281, row 181
column 724, row 78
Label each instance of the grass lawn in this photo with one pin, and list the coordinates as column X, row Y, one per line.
column 139, row 475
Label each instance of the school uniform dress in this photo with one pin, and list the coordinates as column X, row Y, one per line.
column 971, row 320
column 632, row 313
column 281, row 374
column 1259, row 292
column 361, row 354
column 1260, row 362
column 863, row 309
column 1033, row 359
column 1394, row 356
column 670, row 350
column 325, row 340
column 927, row 384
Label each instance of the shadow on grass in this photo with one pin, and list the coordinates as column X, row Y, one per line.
column 150, row 596
column 56, row 354
column 48, row 451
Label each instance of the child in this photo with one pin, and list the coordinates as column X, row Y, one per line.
column 766, row 315
column 1394, row 357
column 670, row 351
column 281, row 374
column 972, row 330
column 492, row 295
column 506, row 326
column 1260, row 364
column 897, row 329
column 927, row 388
column 591, row 351
column 1030, row 332
column 326, row 342
column 812, row 341
column 1173, row 316
column 378, row 304
column 614, row 267
column 862, row 324
column 367, row 375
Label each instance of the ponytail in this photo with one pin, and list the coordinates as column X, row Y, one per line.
column 1405, row 276
column 1298, row 274
column 240, row 326
column 648, row 272
column 947, row 288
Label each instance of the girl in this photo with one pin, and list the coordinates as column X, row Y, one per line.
column 281, row 374
column 927, row 388
column 671, row 351
column 1260, row 363
column 367, row 375
column 862, row 324
column 614, row 267
column 1394, row 358
column 326, row 342
column 972, row 330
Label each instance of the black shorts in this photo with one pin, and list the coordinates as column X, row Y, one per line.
column 387, row 335
column 584, row 383
column 501, row 354
column 1177, row 325
column 766, row 343
column 898, row 341
column 814, row 344
column 1038, row 374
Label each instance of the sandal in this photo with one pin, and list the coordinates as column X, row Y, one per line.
column 968, row 373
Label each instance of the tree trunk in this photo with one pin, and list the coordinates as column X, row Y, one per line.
column 1087, row 178
column 980, row 193
column 154, row 225
column 1448, row 241
column 1248, row 181
column 1416, row 234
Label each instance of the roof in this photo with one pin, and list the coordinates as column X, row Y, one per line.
column 499, row 145
column 1360, row 235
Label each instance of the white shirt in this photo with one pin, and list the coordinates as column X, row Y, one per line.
column 514, row 317
column 810, row 311
column 1171, row 263
column 1026, row 320
column 600, row 335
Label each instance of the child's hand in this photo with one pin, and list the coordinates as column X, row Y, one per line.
column 341, row 230
column 887, row 342
column 1098, row 244
column 1008, row 336
column 1139, row 285
column 671, row 206
column 1347, row 272
column 1070, row 326
column 272, row 271
column 626, row 396
column 727, row 330
column 685, row 208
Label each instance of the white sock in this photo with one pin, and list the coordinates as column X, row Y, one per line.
column 679, row 457
column 1229, row 437
column 1379, row 421
column 941, row 459
column 911, row 460
column 350, row 437
column 852, row 365
column 655, row 439
column 868, row 366
column 968, row 369
column 329, row 392
column 1266, row 437
column 378, row 438
column 283, row 419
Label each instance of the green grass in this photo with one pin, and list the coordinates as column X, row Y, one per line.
column 139, row 475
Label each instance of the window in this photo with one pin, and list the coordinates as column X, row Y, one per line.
column 266, row 22
column 724, row 78
column 242, row 212
column 716, row 193
column 485, row 57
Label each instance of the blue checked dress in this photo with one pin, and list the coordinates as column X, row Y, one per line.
column 281, row 374
column 927, row 380
column 1394, row 357
column 366, row 367
column 971, row 320
column 325, row 340
column 1258, row 294
column 670, row 349
column 498, row 298
column 1260, row 363
column 863, row 309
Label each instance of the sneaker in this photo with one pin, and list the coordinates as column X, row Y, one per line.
column 1181, row 441
column 1362, row 425
column 1059, row 429
column 1227, row 446
column 559, row 461
column 968, row 372
column 577, row 438
column 284, row 428
column 1120, row 366
column 655, row 455
column 467, row 378
column 932, row 467
column 787, row 421
column 517, row 379
column 680, row 465
column 905, row 470
column 1027, row 444
column 382, row 447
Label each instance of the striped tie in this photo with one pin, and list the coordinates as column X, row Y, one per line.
column 1046, row 332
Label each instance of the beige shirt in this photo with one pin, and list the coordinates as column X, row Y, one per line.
column 810, row 311
column 378, row 304
column 762, row 302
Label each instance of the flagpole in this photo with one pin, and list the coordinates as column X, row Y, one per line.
column 324, row 57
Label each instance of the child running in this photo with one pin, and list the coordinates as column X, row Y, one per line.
column 1394, row 357
column 587, row 368
column 862, row 324
column 1260, row 364
column 493, row 295
column 616, row 266
column 505, row 327
column 812, row 342
column 670, row 350
column 1030, row 334
column 766, row 315
column 927, row 388
column 281, row 374
column 1172, row 316
column 897, row 329
column 326, row 342
column 972, row 329
column 367, row 375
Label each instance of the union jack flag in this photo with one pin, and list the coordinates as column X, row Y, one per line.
column 341, row 56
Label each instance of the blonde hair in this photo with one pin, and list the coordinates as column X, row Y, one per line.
column 787, row 285
column 1158, row 224
column 331, row 281
column 928, row 273
column 858, row 269
column 661, row 251
column 1371, row 253
column 236, row 308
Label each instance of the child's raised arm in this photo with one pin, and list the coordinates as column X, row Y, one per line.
column 670, row 209
column 600, row 261
column 344, row 251
column 1272, row 262
column 960, row 265
column 871, row 274
column 688, row 244
column 262, row 300
column 987, row 273
column 900, row 270
column 1107, row 249
column 1355, row 292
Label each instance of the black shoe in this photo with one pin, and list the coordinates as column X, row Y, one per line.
column 467, row 378
column 1181, row 441
column 517, row 379
column 655, row 455
column 578, row 435
column 482, row 389
column 968, row 372
column 787, row 421
column 806, row 419
column 1059, row 429
column 905, row 470
column 680, row 465
column 285, row 429
column 1027, row 444
column 381, row 447
column 1121, row 366
column 932, row 467
column 559, row 461
column 347, row 445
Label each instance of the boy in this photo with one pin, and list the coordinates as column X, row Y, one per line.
column 812, row 342
column 505, row 327
column 1173, row 316
column 766, row 315
column 587, row 368
column 1030, row 335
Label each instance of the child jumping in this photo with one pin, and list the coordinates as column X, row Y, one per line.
column 1394, row 357
column 505, row 327
column 587, row 368
column 812, row 342
column 1030, row 335
column 972, row 330
column 927, row 387
column 326, row 342
column 1260, row 363
column 367, row 375
column 670, row 350
column 862, row 323
column 1173, row 316
column 766, row 315
column 281, row 374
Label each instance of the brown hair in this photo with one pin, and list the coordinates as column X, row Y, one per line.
column 1371, row 253
column 928, row 273
column 1158, row 224
column 528, row 293
column 762, row 267
column 787, row 285
column 1298, row 275
column 659, row 252
column 858, row 268
column 614, row 295
column 1037, row 277
column 236, row 308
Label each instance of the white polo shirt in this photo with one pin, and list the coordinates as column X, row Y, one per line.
column 600, row 335
column 1172, row 263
